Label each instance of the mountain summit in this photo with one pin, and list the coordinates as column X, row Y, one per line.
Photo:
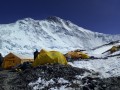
column 24, row 36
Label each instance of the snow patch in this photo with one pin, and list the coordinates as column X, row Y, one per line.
column 106, row 67
column 41, row 83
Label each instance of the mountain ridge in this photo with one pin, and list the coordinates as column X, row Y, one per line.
column 52, row 33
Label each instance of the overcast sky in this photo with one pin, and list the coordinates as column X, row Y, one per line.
column 96, row 15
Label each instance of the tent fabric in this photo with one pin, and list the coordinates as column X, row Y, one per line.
column 76, row 55
column 49, row 57
column 11, row 60
column 113, row 49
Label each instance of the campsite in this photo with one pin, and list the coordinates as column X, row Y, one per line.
column 43, row 57
column 59, row 44
column 68, row 71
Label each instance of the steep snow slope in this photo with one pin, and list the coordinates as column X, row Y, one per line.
column 24, row 36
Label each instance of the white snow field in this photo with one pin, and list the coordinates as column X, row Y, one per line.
column 106, row 67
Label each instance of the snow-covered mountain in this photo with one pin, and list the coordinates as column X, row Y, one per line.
column 24, row 36
column 54, row 33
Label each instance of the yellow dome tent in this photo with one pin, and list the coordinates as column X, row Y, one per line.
column 47, row 57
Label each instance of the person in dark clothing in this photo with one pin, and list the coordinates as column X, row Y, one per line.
column 36, row 54
column 1, row 59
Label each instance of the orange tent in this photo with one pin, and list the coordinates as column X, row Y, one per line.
column 13, row 59
column 76, row 55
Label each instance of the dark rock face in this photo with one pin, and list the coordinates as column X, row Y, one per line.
column 21, row 80
column 112, row 83
column 54, row 19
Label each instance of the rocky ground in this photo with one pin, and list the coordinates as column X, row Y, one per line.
column 79, row 79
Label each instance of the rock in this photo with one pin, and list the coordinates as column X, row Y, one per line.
column 54, row 72
column 76, row 78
